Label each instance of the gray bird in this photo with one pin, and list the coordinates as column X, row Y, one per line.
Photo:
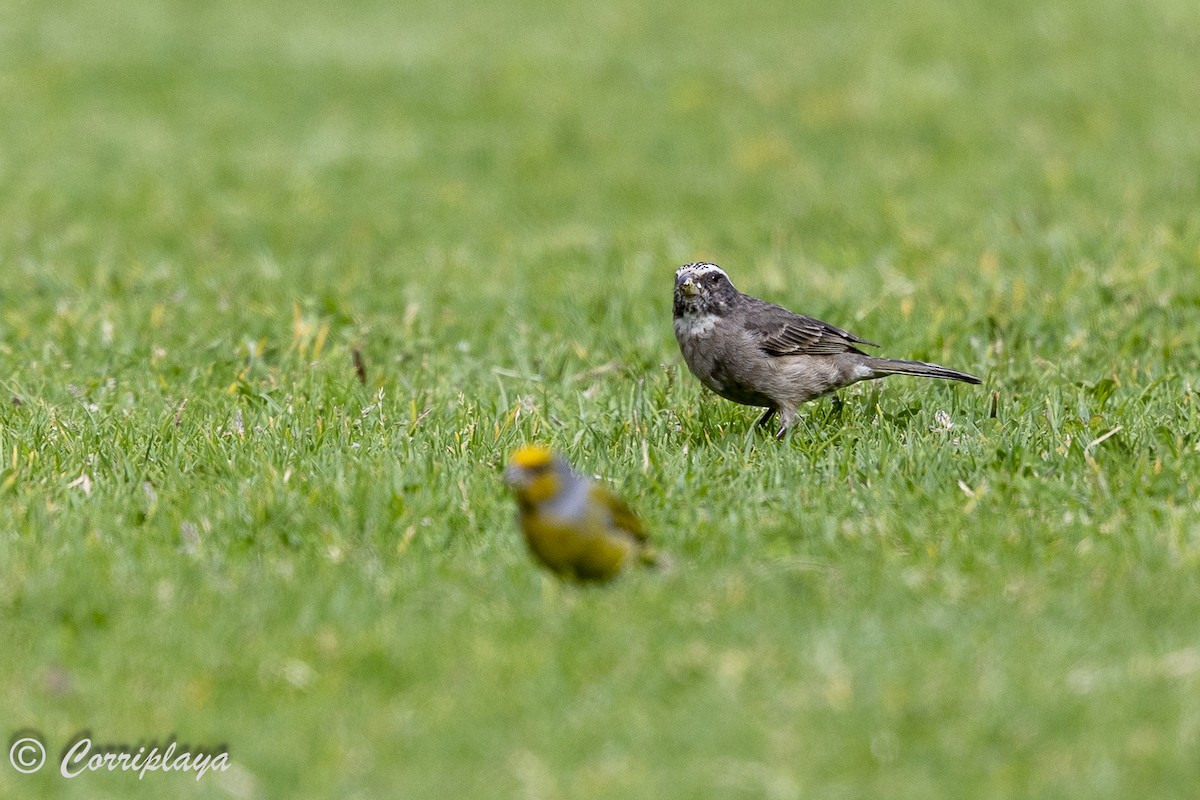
column 759, row 354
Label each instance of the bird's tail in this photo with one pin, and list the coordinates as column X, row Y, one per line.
column 656, row 560
column 892, row 366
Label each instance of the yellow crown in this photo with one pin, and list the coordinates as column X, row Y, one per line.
column 532, row 455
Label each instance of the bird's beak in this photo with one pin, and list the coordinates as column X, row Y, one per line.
column 688, row 287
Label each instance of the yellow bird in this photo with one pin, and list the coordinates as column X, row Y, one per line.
column 576, row 527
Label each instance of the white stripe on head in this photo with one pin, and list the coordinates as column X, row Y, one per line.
column 698, row 269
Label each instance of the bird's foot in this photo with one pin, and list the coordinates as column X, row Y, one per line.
column 787, row 419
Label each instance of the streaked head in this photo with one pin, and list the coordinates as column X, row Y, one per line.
column 535, row 473
column 702, row 288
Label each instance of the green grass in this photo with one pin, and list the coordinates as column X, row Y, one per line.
column 209, row 528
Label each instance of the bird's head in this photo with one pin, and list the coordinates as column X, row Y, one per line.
column 535, row 473
column 702, row 289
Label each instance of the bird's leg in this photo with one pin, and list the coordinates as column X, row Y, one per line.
column 787, row 417
column 765, row 419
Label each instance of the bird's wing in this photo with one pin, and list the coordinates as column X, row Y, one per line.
column 622, row 514
column 779, row 332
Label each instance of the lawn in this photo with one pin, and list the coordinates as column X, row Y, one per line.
column 214, row 526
